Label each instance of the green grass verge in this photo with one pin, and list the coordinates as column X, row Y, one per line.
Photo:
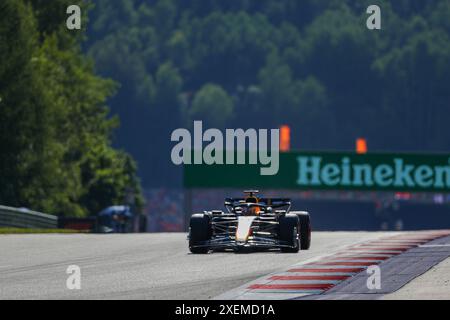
column 31, row 230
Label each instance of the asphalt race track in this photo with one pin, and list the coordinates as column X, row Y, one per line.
column 143, row 266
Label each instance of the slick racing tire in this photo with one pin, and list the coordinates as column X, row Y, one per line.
column 305, row 229
column 199, row 232
column 289, row 233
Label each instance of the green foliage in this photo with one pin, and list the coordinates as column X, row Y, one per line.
column 55, row 134
column 168, row 82
column 312, row 64
column 213, row 105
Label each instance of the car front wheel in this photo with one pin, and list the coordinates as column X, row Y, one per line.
column 199, row 232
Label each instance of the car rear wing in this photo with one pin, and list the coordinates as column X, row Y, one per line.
column 269, row 202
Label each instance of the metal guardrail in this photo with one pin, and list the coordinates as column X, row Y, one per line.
column 24, row 218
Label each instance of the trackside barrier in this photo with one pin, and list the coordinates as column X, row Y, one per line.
column 24, row 218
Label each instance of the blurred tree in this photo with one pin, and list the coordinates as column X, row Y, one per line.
column 277, row 84
column 312, row 118
column 24, row 115
column 416, row 76
column 212, row 105
column 55, row 132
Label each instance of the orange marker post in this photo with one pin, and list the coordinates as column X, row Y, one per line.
column 361, row 146
column 285, row 138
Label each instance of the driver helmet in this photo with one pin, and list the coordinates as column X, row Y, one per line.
column 253, row 210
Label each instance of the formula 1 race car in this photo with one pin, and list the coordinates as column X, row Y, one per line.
column 251, row 223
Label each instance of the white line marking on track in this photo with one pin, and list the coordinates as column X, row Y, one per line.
column 434, row 245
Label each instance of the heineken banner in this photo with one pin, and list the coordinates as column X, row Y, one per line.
column 331, row 171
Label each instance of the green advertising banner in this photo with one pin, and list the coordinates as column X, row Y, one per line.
column 331, row 171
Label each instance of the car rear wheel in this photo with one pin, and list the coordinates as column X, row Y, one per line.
column 289, row 233
column 199, row 232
